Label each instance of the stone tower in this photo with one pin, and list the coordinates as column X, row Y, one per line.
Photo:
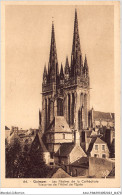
column 76, row 89
column 52, row 86
column 66, row 93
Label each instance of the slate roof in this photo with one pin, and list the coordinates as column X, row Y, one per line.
column 99, row 141
column 58, row 172
column 97, row 115
column 59, row 124
column 65, row 149
column 38, row 140
column 41, row 142
column 6, row 128
column 82, row 162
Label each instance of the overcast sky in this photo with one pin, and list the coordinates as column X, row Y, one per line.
column 27, row 38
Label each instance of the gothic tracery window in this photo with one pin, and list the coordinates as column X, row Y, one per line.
column 60, row 107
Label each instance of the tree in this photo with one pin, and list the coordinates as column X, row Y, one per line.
column 12, row 153
column 26, row 163
column 36, row 166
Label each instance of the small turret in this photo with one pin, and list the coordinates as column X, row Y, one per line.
column 86, row 69
column 67, row 69
column 61, row 75
column 45, row 75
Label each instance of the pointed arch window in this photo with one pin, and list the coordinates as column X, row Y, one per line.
column 60, row 107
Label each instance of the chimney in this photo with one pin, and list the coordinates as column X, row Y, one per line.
column 76, row 137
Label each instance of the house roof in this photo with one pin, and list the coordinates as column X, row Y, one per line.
column 38, row 140
column 99, row 141
column 6, row 128
column 97, row 115
column 41, row 142
column 58, row 172
column 59, row 124
column 94, row 140
column 83, row 161
column 65, row 149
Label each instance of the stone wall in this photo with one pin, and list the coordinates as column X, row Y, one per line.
column 99, row 167
column 78, row 171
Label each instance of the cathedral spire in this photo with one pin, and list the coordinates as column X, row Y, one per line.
column 53, row 52
column 76, row 59
column 53, row 57
column 76, row 39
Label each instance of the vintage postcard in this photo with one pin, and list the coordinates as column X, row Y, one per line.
column 60, row 93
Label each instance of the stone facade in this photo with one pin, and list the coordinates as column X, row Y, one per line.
column 66, row 103
column 98, row 148
column 66, row 92
column 100, row 167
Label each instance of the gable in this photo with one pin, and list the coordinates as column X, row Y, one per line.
column 37, row 144
column 77, row 153
column 99, row 141
column 65, row 149
column 60, row 173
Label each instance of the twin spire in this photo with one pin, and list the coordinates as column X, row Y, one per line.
column 76, row 40
column 53, row 52
column 76, row 69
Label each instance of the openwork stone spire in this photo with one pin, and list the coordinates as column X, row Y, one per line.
column 76, row 39
column 76, row 58
column 53, row 69
column 53, row 52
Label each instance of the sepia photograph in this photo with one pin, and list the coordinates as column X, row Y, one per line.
column 60, row 92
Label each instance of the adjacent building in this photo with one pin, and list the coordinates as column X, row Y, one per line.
column 98, row 148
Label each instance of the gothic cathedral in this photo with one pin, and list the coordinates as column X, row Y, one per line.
column 66, row 93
